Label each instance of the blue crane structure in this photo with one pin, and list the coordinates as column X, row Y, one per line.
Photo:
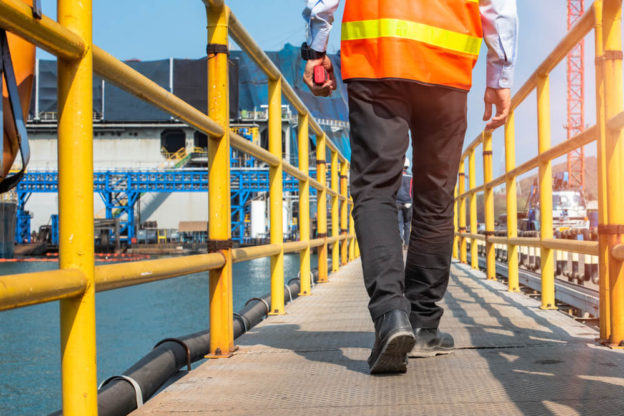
column 121, row 189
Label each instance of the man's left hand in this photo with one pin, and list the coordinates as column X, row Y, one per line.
column 501, row 99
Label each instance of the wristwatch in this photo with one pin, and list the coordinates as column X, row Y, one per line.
column 307, row 53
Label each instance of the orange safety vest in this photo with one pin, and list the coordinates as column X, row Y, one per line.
column 430, row 41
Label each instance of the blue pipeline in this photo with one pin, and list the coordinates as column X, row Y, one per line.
column 120, row 190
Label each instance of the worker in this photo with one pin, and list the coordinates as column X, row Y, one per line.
column 408, row 67
column 404, row 204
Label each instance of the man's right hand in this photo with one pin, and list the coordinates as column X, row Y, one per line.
column 326, row 89
column 501, row 99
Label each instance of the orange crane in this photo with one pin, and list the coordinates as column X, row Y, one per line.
column 576, row 100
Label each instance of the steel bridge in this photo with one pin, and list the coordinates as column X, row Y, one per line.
column 121, row 189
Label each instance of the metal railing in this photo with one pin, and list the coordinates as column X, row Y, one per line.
column 604, row 18
column 77, row 280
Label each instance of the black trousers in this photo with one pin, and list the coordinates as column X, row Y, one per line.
column 382, row 115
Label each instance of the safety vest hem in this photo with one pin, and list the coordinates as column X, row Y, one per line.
column 426, row 84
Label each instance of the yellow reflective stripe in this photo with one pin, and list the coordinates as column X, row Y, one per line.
column 472, row 1
column 405, row 29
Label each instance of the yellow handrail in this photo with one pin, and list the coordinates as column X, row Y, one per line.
column 78, row 279
column 602, row 16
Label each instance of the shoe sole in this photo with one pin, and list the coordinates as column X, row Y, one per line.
column 428, row 354
column 393, row 356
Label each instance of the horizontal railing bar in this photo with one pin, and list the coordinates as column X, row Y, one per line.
column 317, row 242
column 253, row 149
column 574, row 246
column 17, row 17
column 26, row 289
column 479, row 237
column 122, row 75
column 524, row 241
column 115, row 276
column 617, row 122
column 496, row 240
column 295, row 246
column 580, row 29
column 316, row 184
column 469, row 192
column 294, row 172
column 617, row 252
column 250, row 253
column 332, row 240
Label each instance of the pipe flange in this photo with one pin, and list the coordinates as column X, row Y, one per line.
column 266, row 304
column 244, row 320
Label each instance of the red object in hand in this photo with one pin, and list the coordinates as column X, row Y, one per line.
column 320, row 75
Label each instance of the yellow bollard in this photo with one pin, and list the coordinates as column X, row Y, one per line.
column 603, row 218
column 512, row 205
column 612, row 26
column 488, row 200
column 462, row 212
column 219, row 224
column 472, row 183
column 545, row 190
column 334, row 210
column 344, row 172
column 304, row 206
column 75, row 164
column 321, row 206
column 275, row 195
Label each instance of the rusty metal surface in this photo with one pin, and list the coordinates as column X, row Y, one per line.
column 512, row 359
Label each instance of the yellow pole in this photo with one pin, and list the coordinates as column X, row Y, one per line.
column 344, row 171
column 219, row 228
column 512, row 205
column 75, row 161
column 455, row 225
column 462, row 211
column 275, row 195
column 334, row 210
column 603, row 218
column 304, row 205
column 488, row 199
column 321, row 205
column 545, row 190
column 351, row 232
column 472, row 183
column 612, row 25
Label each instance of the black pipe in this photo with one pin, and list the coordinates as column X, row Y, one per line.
column 118, row 396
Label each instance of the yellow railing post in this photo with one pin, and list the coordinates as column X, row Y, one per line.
column 275, row 195
column 603, row 218
column 219, row 224
column 472, row 183
column 545, row 192
column 612, row 25
column 512, row 205
column 462, row 212
column 488, row 200
column 304, row 205
column 456, row 225
column 321, row 205
column 344, row 171
column 334, row 210
column 351, row 232
column 75, row 165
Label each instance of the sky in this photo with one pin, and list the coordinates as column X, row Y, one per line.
column 157, row 29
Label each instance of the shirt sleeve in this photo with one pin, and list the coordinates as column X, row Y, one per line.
column 500, row 32
column 319, row 15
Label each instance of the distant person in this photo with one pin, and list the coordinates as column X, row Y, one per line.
column 408, row 68
column 404, row 204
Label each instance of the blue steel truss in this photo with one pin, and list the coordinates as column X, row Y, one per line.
column 120, row 190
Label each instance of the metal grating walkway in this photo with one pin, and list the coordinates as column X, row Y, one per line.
column 513, row 359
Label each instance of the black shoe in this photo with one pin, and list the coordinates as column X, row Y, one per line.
column 431, row 342
column 394, row 338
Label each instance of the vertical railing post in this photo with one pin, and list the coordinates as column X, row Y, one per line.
column 472, row 183
column 351, row 232
column 603, row 218
column 456, row 225
column 462, row 212
column 321, row 205
column 512, row 204
column 334, row 210
column 75, row 165
column 344, row 172
column 488, row 200
column 612, row 26
column 219, row 223
column 304, row 205
column 545, row 192
column 275, row 196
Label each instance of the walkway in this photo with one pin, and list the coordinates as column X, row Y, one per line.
column 513, row 359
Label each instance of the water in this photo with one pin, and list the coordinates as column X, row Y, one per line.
column 130, row 322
